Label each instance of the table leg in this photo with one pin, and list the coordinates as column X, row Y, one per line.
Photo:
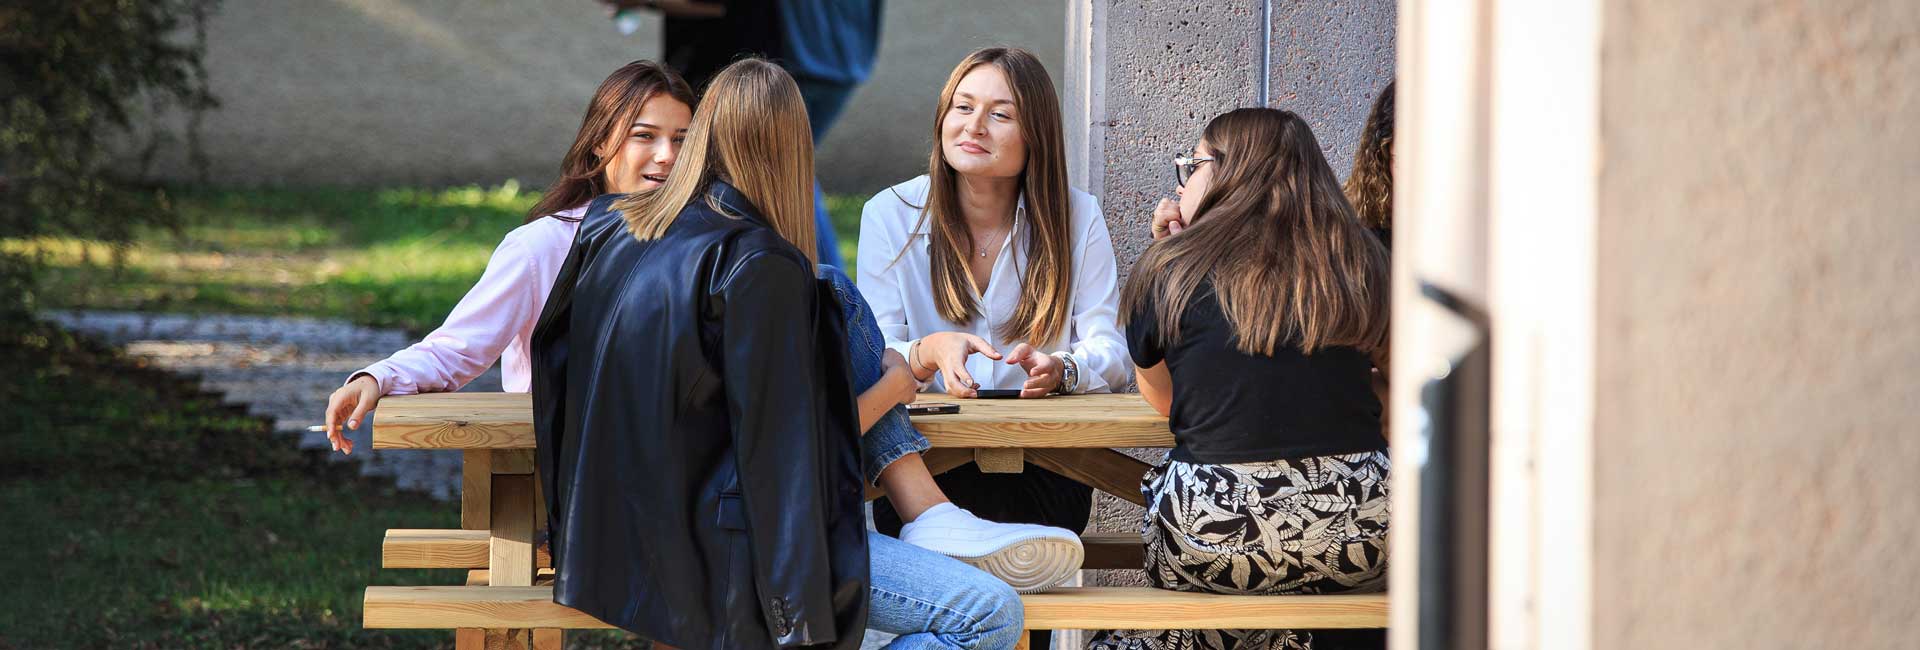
column 476, row 512
column 510, row 550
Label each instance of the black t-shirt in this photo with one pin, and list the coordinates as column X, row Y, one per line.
column 1231, row 407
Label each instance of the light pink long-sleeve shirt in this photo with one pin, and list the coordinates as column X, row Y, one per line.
column 493, row 321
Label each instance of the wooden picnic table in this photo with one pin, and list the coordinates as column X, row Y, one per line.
column 1073, row 435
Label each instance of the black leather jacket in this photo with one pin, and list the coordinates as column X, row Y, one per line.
column 697, row 436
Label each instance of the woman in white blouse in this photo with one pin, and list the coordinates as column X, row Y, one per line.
column 991, row 273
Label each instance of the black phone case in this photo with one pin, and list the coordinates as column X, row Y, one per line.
column 1000, row 393
column 933, row 409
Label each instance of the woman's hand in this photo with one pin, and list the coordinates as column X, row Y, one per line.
column 1166, row 220
column 1043, row 371
column 946, row 353
column 348, row 404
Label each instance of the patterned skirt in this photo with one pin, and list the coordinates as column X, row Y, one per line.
column 1300, row 526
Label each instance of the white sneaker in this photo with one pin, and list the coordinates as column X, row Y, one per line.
column 1027, row 557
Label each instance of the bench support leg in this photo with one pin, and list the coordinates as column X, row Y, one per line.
column 510, row 550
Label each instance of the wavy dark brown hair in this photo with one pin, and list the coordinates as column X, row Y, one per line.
column 1288, row 261
column 1370, row 185
column 1046, row 284
column 583, row 173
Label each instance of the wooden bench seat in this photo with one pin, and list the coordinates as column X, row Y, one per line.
column 421, row 548
column 1070, row 608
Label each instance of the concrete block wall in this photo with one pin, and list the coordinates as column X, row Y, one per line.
column 1157, row 72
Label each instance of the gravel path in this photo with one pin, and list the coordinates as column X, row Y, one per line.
column 280, row 368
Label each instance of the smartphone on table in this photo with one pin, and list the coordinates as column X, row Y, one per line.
column 932, row 408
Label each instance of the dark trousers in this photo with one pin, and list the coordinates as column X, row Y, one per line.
column 1034, row 496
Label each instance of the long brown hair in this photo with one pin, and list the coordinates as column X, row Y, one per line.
column 1370, row 185
column 752, row 132
column 1046, row 285
column 583, row 173
column 1288, row 261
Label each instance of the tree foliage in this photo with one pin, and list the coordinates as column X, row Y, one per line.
column 74, row 77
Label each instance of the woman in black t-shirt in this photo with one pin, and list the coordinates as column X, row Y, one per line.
column 1256, row 329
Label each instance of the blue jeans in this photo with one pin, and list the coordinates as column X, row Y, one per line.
column 893, row 436
column 934, row 601
column 928, row 599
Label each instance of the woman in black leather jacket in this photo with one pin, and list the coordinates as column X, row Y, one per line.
column 697, row 434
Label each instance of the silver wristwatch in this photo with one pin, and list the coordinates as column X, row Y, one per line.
column 1069, row 375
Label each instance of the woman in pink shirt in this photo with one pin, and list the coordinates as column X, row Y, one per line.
column 627, row 143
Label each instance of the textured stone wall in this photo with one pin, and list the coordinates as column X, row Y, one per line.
column 435, row 92
column 1169, row 67
column 1756, row 387
column 1330, row 59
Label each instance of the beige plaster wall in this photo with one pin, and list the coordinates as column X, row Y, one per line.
column 1758, row 404
column 437, row 92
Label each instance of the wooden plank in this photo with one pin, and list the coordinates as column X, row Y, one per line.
column 1000, row 460
column 510, row 544
column 480, row 577
column 1113, row 551
column 1105, row 469
column 1073, row 608
column 424, row 548
column 467, row 420
column 1108, row 420
column 513, row 461
column 1089, row 608
column 476, row 488
column 505, row 421
column 510, row 549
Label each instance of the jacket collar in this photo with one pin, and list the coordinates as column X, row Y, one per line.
column 734, row 201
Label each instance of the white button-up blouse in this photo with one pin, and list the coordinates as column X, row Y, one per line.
column 896, row 279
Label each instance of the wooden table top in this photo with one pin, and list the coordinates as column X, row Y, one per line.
column 505, row 421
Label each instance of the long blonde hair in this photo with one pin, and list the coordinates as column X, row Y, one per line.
column 1046, row 286
column 751, row 131
column 1289, row 262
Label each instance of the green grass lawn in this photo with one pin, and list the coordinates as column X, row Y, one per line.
column 391, row 258
column 145, row 515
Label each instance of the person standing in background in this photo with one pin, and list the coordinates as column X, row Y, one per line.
column 828, row 46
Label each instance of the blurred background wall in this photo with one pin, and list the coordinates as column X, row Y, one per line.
column 452, row 92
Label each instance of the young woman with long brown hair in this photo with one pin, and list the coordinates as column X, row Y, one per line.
column 693, row 401
column 627, row 142
column 1255, row 327
column 990, row 272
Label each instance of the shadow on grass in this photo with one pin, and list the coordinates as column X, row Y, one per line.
column 145, row 514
